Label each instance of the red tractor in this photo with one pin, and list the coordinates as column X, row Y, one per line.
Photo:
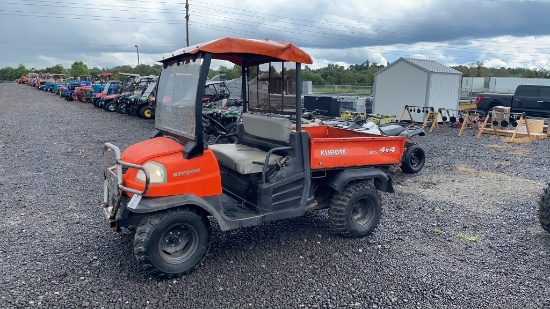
column 166, row 188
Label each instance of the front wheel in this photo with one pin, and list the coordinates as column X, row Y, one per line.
column 413, row 160
column 544, row 209
column 146, row 112
column 172, row 243
column 355, row 212
column 110, row 106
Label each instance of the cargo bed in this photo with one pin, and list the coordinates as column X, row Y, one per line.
column 335, row 148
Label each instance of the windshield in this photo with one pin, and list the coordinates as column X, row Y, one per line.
column 106, row 89
column 176, row 95
column 149, row 89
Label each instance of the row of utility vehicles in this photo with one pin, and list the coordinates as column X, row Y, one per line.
column 168, row 188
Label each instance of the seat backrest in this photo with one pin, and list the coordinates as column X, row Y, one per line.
column 273, row 128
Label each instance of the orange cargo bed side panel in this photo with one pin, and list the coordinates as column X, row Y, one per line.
column 335, row 148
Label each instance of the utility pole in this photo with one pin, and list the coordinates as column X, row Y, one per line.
column 187, row 20
column 137, row 52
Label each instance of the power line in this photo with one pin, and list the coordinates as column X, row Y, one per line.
column 208, row 7
column 303, row 34
column 218, row 17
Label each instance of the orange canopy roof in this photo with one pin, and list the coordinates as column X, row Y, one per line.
column 237, row 50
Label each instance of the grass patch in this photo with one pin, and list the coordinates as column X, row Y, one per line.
column 468, row 237
column 519, row 152
column 518, row 140
column 503, row 164
column 495, row 146
column 437, row 230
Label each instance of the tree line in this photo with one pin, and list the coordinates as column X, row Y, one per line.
column 79, row 68
column 333, row 74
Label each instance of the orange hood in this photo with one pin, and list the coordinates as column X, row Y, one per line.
column 156, row 147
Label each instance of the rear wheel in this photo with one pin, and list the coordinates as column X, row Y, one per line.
column 122, row 108
column 414, row 159
column 130, row 109
column 544, row 209
column 172, row 243
column 355, row 212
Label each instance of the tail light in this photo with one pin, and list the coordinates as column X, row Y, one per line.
column 478, row 99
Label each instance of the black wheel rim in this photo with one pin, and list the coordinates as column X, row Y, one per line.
column 362, row 212
column 416, row 159
column 178, row 243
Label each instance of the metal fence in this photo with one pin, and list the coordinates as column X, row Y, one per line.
column 342, row 89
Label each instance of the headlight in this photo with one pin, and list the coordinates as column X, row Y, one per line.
column 157, row 172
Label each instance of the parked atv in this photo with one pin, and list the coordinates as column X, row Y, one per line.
column 215, row 91
column 110, row 88
column 135, row 88
column 107, row 98
column 80, row 92
column 226, row 114
column 90, row 94
column 544, row 209
column 166, row 187
column 69, row 90
column 140, row 104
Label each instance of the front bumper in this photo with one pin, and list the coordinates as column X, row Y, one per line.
column 114, row 198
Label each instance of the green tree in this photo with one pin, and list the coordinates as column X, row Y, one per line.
column 79, row 68
column 56, row 69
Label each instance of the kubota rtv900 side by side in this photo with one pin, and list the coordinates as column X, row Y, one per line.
column 167, row 187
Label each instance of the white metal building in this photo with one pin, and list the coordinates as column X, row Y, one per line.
column 415, row 82
column 499, row 84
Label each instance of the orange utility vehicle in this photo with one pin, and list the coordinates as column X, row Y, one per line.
column 166, row 188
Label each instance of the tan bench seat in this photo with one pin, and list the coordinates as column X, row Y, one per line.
column 241, row 157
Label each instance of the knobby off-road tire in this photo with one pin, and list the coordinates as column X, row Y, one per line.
column 123, row 108
column 231, row 129
column 132, row 110
column 118, row 106
column 413, row 160
column 544, row 209
column 172, row 243
column 355, row 212
column 110, row 106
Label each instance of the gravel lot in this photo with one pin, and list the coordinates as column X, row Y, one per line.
column 461, row 234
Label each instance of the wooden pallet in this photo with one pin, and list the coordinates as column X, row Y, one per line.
column 515, row 133
column 501, row 132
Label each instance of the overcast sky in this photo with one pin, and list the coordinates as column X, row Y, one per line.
column 101, row 33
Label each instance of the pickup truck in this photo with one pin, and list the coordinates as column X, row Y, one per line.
column 533, row 100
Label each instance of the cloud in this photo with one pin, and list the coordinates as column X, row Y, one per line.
column 498, row 33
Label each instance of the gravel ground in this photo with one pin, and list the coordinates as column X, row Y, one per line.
column 463, row 233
